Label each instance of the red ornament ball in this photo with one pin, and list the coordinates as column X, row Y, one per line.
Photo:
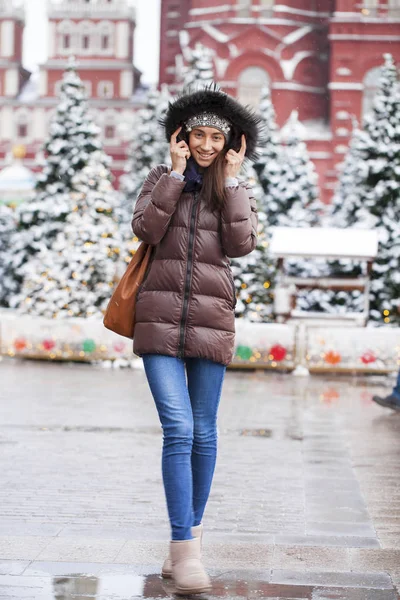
column 368, row 357
column 278, row 352
column 20, row 344
column 48, row 344
column 119, row 346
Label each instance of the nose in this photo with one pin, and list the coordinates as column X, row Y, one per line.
column 206, row 145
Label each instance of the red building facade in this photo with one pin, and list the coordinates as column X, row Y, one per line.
column 100, row 35
column 320, row 57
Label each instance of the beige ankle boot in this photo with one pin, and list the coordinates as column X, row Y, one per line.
column 187, row 569
column 166, row 571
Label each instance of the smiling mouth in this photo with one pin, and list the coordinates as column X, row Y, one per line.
column 205, row 156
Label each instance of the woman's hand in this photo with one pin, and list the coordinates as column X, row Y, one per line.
column 179, row 153
column 234, row 160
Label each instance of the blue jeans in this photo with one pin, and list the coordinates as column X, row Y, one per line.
column 396, row 389
column 187, row 406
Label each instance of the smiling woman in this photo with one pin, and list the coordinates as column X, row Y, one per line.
column 194, row 216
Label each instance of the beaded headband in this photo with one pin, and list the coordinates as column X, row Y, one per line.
column 207, row 119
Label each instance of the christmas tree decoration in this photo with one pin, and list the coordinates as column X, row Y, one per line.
column 254, row 297
column 277, row 353
column 368, row 357
column 20, row 344
column 199, row 72
column 8, row 284
column 49, row 344
column 244, row 352
column 89, row 345
column 67, row 246
column 147, row 150
column 258, row 345
column 332, row 358
column 368, row 195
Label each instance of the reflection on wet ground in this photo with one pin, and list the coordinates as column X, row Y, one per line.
column 306, row 488
column 126, row 585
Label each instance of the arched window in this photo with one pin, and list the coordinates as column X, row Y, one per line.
column 105, row 37
column 86, row 35
column 22, row 121
column 66, row 37
column 371, row 80
column 110, row 127
column 250, row 83
column 105, row 89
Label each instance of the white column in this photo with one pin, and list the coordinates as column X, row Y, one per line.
column 39, row 124
column 11, row 86
column 7, row 121
column 7, row 38
column 126, row 84
column 51, row 32
column 43, row 83
column 122, row 35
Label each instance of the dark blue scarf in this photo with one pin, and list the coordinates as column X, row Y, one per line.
column 193, row 177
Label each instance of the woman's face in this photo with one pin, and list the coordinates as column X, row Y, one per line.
column 205, row 143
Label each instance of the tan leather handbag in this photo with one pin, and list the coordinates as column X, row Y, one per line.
column 120, row 312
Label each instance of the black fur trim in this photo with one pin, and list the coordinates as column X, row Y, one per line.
column 211, row 99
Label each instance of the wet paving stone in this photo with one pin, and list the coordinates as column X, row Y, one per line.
column 69, row 581
column 306, row 491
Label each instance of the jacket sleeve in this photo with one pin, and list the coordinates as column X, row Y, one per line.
column 239, row 221
column 155, row 205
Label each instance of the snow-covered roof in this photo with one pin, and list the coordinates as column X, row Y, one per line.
column 324, row 242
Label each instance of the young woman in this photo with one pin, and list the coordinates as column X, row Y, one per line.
column 196, row 215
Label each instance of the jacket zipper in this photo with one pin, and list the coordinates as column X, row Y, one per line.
column 189, row 269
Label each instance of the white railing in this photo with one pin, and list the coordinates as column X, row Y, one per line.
column 99, row 8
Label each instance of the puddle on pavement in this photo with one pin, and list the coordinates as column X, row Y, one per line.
column 126, row 586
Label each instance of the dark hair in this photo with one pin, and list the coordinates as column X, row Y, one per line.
column 213, row 189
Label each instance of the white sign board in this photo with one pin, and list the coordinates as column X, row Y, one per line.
column 324, row 242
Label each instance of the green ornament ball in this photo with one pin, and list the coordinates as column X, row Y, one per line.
column 244, row 352
column 89, row 346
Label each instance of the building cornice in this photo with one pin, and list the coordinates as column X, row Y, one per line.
column 277, row 8
column 249, row 21
column 120, row 9
column 345, row 85
column 54, row 101
column 55, row 65
column 297, row 87
column 364, row 37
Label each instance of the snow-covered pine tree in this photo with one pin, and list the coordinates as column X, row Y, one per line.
column 148, row 149
column 369, row 192
column 7, row 228
column 73, row 276
column 73, row 137
column 200, row 70
column 74, row 204
column 254, row 274
column 302, row 196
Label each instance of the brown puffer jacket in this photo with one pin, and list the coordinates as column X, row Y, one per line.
column 185, row 306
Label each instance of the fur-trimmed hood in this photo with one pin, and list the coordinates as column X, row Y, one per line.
column 211, row 99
